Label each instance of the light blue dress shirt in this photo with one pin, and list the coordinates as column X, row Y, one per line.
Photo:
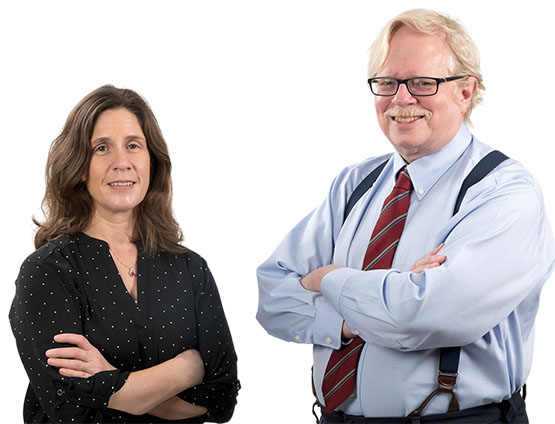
column 499, row 250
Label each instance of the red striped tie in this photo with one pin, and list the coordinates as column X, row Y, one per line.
column 340, row 376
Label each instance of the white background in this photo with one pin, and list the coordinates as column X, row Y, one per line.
column 261, row 103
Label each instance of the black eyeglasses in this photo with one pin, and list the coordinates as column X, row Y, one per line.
column 417, row 86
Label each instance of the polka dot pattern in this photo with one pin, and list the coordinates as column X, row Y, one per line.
column 72, row 285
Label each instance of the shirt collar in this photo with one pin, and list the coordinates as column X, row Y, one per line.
column 425, row 171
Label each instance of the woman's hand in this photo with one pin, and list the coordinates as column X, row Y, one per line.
column 431, row 260
column 82, row 361
column 177, row 409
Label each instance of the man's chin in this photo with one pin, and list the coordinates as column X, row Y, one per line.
column 409, row 148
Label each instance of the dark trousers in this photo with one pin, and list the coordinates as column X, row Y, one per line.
column 512, row 410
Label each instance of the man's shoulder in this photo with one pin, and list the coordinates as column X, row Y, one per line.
column 508, row 170
column 509, row 179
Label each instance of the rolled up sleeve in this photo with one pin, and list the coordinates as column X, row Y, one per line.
column 47, row 303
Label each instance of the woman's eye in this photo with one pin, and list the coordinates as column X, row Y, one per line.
column 133, row 146
column 101, row 148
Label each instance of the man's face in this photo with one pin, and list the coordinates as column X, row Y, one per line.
column 419, row 126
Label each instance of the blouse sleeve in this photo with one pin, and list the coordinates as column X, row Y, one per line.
column 46, row 303
column 218, row 391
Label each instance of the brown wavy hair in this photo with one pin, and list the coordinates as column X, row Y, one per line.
column 68, row 206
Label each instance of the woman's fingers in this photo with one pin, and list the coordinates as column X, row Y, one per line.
column 74, row 339
column 66, row 363
column 68, row 372
column 65, row 352
column 81, row 361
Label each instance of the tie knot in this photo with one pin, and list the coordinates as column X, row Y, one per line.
column 403, row 180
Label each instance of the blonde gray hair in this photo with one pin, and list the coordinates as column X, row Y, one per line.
column 465, row 59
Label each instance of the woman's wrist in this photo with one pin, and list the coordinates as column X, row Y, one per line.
column 176, row 408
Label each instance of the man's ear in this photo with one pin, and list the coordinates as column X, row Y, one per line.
column 467, row 91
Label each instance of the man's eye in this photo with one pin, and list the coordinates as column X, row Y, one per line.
column 386, row 83
column 423, row 83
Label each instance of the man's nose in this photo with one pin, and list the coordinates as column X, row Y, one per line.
column 403, row 97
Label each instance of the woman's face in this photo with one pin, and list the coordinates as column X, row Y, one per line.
column 119, row 171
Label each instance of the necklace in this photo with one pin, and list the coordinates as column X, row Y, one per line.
column 131, row 271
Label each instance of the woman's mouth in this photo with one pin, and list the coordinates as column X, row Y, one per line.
column 121, row 183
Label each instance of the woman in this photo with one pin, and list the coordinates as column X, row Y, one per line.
column 115, row 320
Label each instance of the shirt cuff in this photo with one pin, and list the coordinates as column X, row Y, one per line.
column 333, row 283
column 327, row 327
column 93, row 392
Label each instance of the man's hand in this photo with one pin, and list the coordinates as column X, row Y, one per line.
column 346, row 332
column 313, row 280
column 431, row 260
column 83, row 361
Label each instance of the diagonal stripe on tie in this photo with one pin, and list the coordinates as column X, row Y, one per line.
column 347, row 356
column 340, row 383
column 392, row 201
column 386, row 228
column 381, row 255
column 340, row 375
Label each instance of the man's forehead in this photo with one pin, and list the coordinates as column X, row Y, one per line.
column 417, row 52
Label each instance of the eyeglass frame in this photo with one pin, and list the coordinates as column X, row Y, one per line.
column 405, row 81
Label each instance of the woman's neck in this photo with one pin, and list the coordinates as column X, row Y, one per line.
column 116, row 231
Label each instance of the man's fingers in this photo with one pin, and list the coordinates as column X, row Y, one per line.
column 437, row 249
column 419, row 269
column 75, row 339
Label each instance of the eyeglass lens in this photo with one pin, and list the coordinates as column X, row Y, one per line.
column 416, row 86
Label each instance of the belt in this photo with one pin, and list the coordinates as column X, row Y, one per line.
column 486, row 413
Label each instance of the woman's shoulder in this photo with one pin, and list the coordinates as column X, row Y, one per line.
column 189, row 257
column 50, row 249
column 47, row 265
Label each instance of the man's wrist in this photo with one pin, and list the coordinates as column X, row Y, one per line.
column 346, row 334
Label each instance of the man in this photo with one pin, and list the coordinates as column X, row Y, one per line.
column 378, row 293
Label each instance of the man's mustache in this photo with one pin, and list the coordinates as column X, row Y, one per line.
column 407, row 112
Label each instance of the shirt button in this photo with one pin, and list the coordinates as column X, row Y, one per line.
column 328, row 340
column 297, row 337
column 356, row 332
column 60, row 392
column 420, row 191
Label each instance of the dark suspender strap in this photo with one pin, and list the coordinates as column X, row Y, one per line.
column 362, row 188
column 449, row 359
column 449, row 356
column 487, row 164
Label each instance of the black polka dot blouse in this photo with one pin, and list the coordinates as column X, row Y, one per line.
column 71, row 285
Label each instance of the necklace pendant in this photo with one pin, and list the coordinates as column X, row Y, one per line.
column 132, row 272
